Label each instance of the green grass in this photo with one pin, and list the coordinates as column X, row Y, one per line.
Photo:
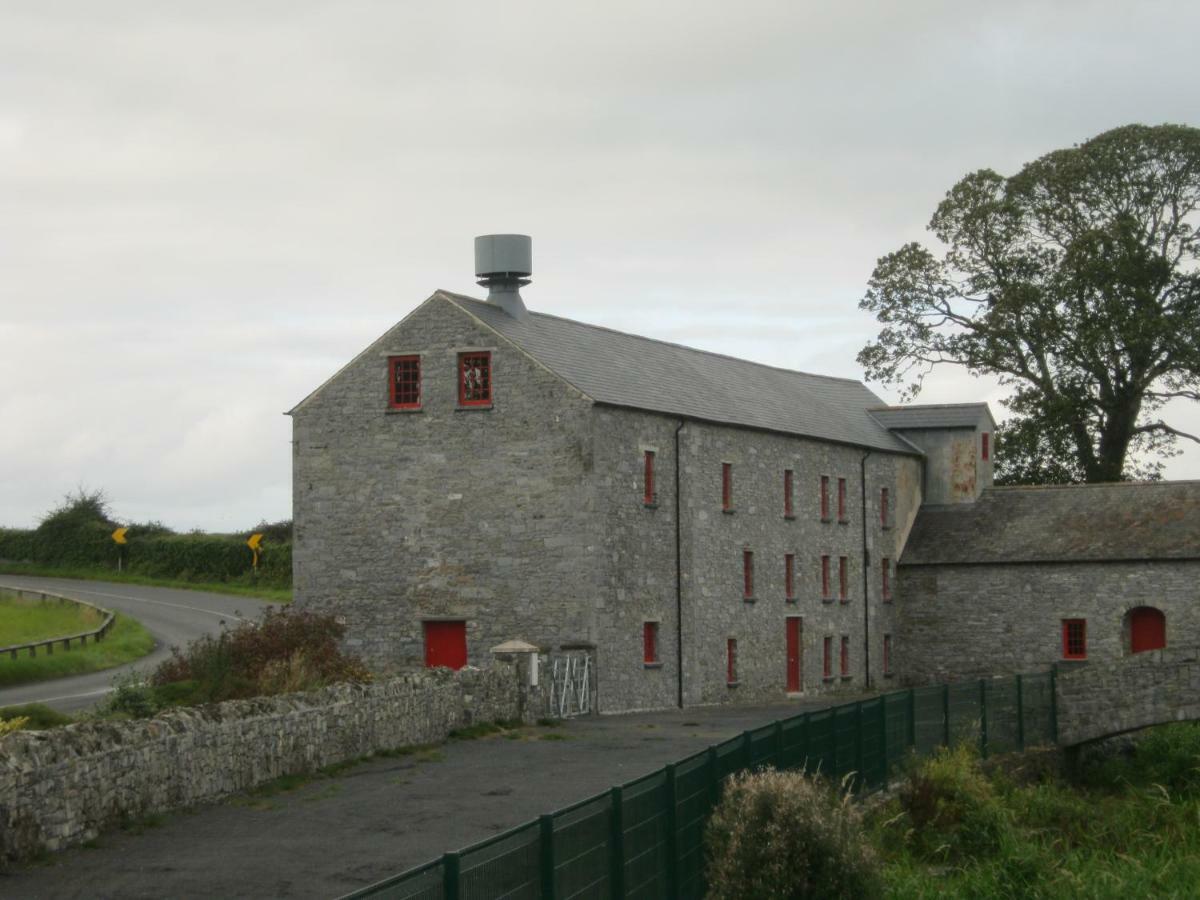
column 24, row 621
column 40, row 716
column 262, row 592
column 1117, row 828
column 125, row 642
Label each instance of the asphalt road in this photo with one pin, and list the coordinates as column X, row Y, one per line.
column 173, row 616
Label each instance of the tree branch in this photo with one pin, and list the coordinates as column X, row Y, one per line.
column 1164, row 428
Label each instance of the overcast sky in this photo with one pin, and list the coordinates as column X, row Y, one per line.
column 207, row 208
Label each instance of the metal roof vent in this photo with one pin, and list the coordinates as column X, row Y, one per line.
column 503, row 264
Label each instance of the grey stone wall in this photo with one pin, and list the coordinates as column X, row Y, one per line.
column 960, row 621
column 955, row 471
column 484, row 515
column 59, row 788
column 1135, row 692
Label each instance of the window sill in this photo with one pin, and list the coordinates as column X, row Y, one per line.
column 886, row 526
column 652, row 665
column 844, row 601
column 650, row 504
column 843, row 521
column 728, row 510
column 791, row 600
column 847, row 678
column 749, row 599
column 827, row 678
column 827, row 600
column 826, row 520
column 1070, row 661
column 888, row 674
column 472, row 408
column 888, row 600
column 791, row 517
column 731, row 684
column 402, row 410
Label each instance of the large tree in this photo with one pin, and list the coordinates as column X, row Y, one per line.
column 1077, row 283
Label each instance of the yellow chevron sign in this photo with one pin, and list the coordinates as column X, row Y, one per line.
column 119, row 535
column 255, row 542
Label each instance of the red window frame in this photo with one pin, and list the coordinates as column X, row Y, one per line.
column 787, row 494
column 1074, row 638
column 748, row 574
column 842, row 500
column 827, row 659
column 648, row 478
column 824, row 498
column 650, row 643
column 845, row 668
column 825, row 577
column 404, row 382
column 789, row 576
column 726, row 486
column 883, row 507
column 886, row 572
column 887, row 654
column 731, row 661
column 475, row 378
column 844, row 579
column 986, row 446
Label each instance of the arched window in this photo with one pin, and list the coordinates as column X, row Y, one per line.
column 1147, row 629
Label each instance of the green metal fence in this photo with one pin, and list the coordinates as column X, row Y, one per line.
column 644, row 839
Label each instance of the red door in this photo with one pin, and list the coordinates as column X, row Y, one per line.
column 793, row 654
column 445, row 644
column 1147, row 629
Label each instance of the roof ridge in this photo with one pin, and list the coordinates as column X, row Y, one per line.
column 904, row 406
column 642, row 337
column 1166, row 482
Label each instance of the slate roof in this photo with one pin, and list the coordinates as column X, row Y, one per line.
column 627, row 370
column 1080, row 523
column 932, row 415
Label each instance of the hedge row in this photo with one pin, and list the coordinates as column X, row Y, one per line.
column 188, row 557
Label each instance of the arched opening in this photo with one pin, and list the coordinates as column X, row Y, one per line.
column 1147, row 628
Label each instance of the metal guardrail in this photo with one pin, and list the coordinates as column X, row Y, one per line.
column 645, row 838
column 96, row 634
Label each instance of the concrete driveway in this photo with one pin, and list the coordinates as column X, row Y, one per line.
column 173, row 616
column 333, row 835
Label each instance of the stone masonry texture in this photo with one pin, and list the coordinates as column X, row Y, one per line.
column 61, row 787
column 527, row 520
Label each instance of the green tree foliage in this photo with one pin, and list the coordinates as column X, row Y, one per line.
column 1077, row 283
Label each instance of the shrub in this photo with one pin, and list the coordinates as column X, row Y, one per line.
column 8, row 726
column 288, row 650
column 787, row 835
column 1168, row 755
column 952, row 808
column 37, row 716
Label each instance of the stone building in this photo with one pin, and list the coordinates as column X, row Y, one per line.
column 1027, row 577
column 713, row 529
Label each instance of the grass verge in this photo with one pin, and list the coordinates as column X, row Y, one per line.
column 274, row 594
column 40, row 716
column 128, row 640
column 24, row 621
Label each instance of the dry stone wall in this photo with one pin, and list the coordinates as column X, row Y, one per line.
column 59, row 788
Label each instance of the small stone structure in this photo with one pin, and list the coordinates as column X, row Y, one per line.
column 59, row 788
column 1150, row 688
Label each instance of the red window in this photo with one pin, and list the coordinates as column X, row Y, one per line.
column 726, row 486
column 883, row 507
column 648, row 479
column 650, row 643
column 1074, row 638
column 404, row 380
column 747, row 574
column 475, row 379
column 789, row 573
column 985, row 445
column 824, row 498
column 887, row 654
column 845, row 654
column 445, row 644
column 886, row 570
column 731, row 661
column 1147, row 629
column 825, row 577
column 787, row 493
column 844, row 579
column 842, row 500
column 827, row 659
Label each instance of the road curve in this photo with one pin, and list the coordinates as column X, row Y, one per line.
column 173, row 616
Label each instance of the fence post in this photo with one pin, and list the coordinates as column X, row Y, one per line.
column 804, row 742
column 451, row 864
column 616, row 841
column 911, row 730
column 946, row 714
column 858, row 747
column 1054, row 702
column 779, row 744
column 1020, row 714
column 546, row 856
column 983, row 723
column 672, row 872
column 883, row 738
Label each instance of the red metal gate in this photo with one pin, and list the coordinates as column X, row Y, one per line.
column 445, row 644
column 1147, row 629
column 794, row 680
